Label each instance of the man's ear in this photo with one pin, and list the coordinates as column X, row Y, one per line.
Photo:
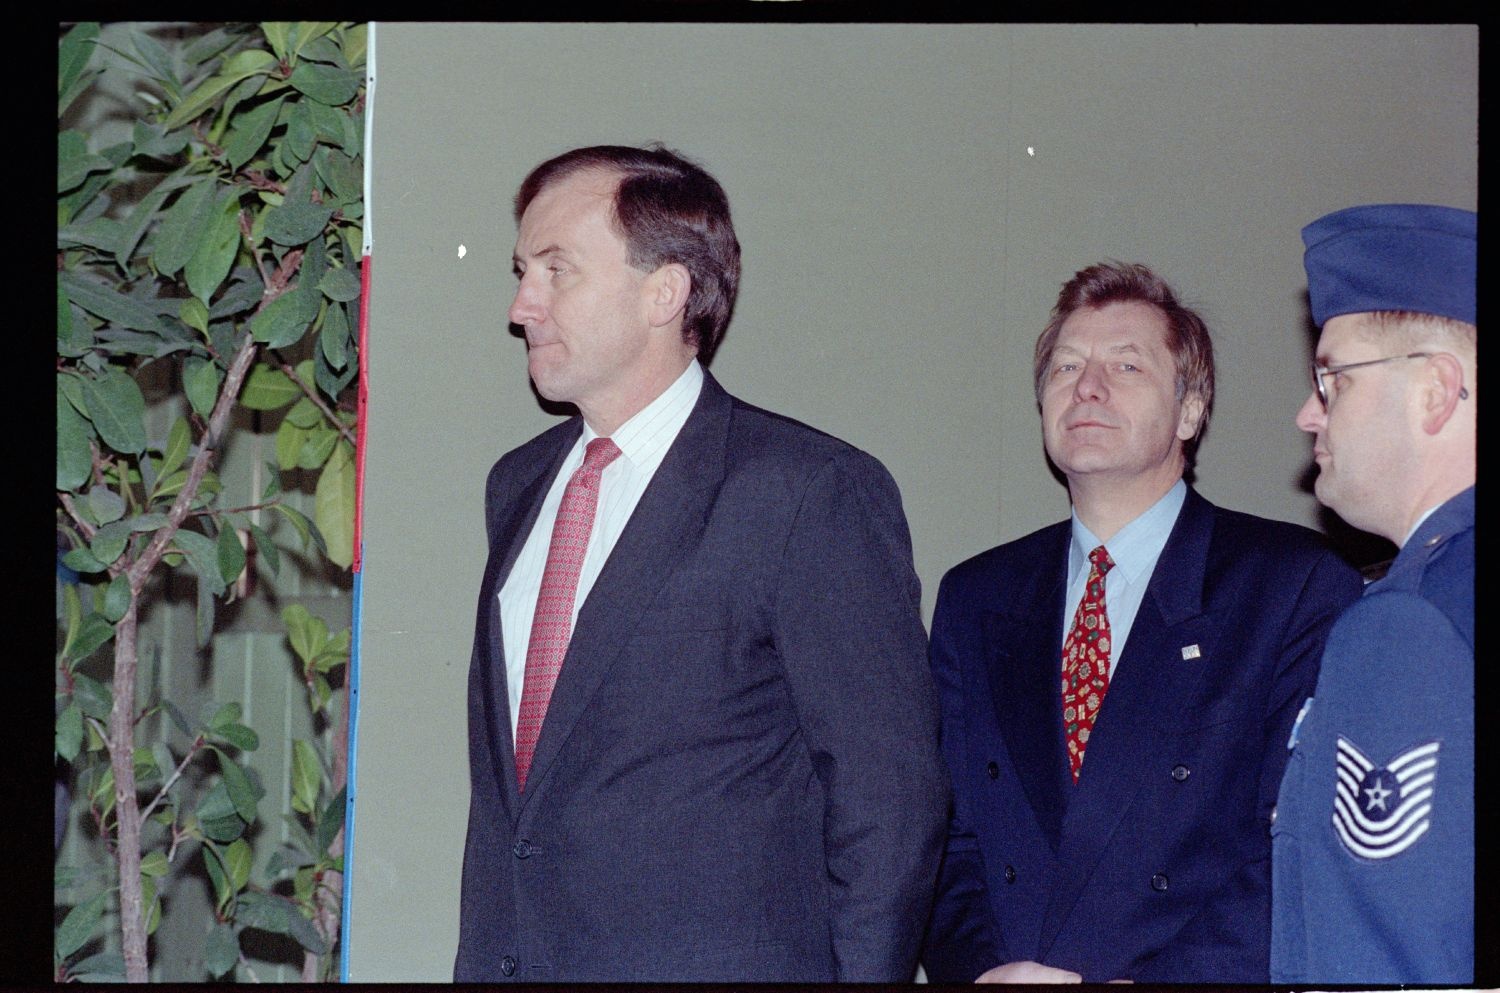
column 1442, row 386
column 666, row 293
column 1191, row 418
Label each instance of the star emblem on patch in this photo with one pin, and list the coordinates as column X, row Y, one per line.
column 1379, row 811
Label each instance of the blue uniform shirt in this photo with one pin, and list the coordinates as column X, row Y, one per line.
column 1373, row 838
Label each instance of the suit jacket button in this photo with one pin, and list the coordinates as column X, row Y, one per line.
column 1159, row 882
column 1010, row 874
column 993, row 769
column 508, row 965
column 1181, row 773
column 522, row 849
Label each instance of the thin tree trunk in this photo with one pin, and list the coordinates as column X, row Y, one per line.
column 127, row 807
column 328, row 896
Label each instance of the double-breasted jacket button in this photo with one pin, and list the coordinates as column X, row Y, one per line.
column 1159, row 882
column 508, row 966
column 1181, row 773
column 993, row 769
column 1010, row 874
column 522, row 849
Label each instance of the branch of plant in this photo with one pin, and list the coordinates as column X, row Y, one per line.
column 260, row 264
column 235, row 510
column 312, row 394
column 246, row 963
column 87, row 529
column 98, row 461
column 233, row 380
column 172, row 780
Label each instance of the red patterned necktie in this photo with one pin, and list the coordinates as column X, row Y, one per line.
column 1085, row 662
column 552, row 624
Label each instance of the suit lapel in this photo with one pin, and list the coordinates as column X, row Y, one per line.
column 1023, row 653
column 1128, row 744
column 508, row 533
column 668, row 521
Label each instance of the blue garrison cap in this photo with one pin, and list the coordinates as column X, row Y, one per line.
column 1392, row 256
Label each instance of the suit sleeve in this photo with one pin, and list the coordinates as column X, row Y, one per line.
column 962, row 940
column 1229, row 939
column 848, row 629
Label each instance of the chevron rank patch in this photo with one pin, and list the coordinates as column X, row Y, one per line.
column 1381, row 811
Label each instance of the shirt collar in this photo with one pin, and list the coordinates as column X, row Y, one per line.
column 1136, row 545
column 642, row 436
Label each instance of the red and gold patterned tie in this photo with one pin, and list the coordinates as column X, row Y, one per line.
column 1085, row 662
column 552, row 624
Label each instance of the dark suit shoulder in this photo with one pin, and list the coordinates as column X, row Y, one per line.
column 775, row 443
column 1251, row 535
column 520, row 467
column 1021, row 555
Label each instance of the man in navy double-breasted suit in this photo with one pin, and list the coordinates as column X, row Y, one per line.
column 1374, row 836
column 703, row 735
column 1117, row 689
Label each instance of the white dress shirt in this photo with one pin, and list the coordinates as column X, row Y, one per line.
column 643, row 441
column 1134, row 550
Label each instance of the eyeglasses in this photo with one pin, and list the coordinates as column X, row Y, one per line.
column 1319, row 371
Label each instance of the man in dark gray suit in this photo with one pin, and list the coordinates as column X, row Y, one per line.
column 702, row 736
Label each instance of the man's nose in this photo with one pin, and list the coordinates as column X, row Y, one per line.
column 1312, row 417
column 1090, row 383
column 526, row 308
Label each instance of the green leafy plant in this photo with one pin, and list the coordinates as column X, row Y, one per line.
column 207, row 278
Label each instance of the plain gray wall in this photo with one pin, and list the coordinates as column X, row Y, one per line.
column 909, row 199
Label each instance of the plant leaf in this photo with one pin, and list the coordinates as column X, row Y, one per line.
column 317, row 446
column 106, row 504
column 116, row 598
column 238, row 735
column 116, row 308
column 203, row 555
column 341, row 285
column 304, row 413
column 289, row 441
column 183, row 226
column 67, row 737
column 242, row 792
column 154, row 864
column 267, row 388
column 296, row 223
column 281, row 322
column 221, row 952
column 237, row 860
column 200, row 381
column 333, row 339
column 231, row 553
column 74, row 460
column 331, row 820
column 307, row 777
column 325, row 83
column 242, row 65
column 333, row 505
column 117, row 409
column 267, row 549
column 92, row 632
column 179, row 443
column 213, row 860
column 92, row 697
column 249, row 132
column 306, row 528
column 73, row 54
column 103, row 967
column 215, row 253
column 78, row 926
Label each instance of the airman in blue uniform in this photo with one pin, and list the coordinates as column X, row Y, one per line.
column 1373, row 836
